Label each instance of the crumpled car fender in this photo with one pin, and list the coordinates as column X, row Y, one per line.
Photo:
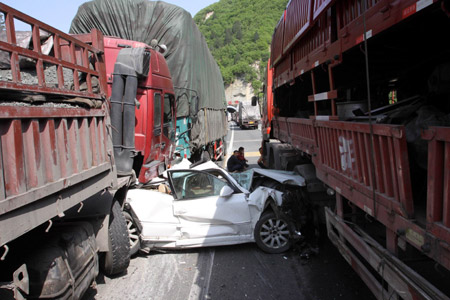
column 260, row 198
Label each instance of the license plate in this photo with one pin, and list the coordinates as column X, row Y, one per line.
column 251, row 122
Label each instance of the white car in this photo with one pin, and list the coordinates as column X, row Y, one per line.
column 206, row 206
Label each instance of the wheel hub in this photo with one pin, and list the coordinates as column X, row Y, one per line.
column 275, row 232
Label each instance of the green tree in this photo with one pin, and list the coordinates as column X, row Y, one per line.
column 236, row 26
column 239, row 35
column 228, row 36
column 237, row 57
column 256, row 36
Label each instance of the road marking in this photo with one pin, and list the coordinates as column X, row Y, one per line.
column 200, row 290
column 208, row 274
column 248, row 141
column 252, row 154
column 230, row 148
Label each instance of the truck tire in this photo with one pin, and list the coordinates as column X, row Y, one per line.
column 117, row 259
column 205, row 156
column 133, row 234
column 272, row 234
column 276, row 151
column 211, row 152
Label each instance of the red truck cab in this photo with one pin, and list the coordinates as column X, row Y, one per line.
column 155, row 113
column 267, row 105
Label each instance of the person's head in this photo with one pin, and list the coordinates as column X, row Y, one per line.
column 235, row 152
column 260, row 150
column 241, row 149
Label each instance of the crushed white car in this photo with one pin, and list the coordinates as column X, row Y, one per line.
column 207, row 206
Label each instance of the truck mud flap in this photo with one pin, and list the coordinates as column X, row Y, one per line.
column 367, row 258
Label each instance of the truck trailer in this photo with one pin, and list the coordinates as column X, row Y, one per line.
column 248, row 115
column 199, row 90
column 358, row 102
column 91, row 115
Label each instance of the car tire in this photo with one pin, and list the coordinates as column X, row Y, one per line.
column 272, row 234
column 117, row 259
column 133, row 234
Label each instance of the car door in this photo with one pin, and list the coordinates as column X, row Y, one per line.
column 206, row 218
column 154, row 213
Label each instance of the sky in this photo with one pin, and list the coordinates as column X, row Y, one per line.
column 59, row 13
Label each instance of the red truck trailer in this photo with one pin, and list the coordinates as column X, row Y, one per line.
column 72, row 139
column 361, row 102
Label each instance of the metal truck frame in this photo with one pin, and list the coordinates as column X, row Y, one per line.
column 322, row 53
column 67, row 161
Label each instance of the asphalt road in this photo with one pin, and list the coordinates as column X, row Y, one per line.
column 250, row 139
column 235, row 272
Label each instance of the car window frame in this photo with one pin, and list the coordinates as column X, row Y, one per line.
column 176, row 196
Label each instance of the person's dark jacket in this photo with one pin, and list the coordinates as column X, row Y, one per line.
column 234, row 164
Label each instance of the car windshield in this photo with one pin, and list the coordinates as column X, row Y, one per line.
column 243, row 178
column 195, row 184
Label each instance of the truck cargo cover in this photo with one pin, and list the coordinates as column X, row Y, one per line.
column 193, row 69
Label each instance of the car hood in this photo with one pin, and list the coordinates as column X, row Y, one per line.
column 284, row 177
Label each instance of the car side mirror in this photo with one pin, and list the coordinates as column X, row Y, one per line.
column 226, row 191
column 254, row 100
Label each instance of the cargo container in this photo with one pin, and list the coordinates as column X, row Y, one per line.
column 361, row 93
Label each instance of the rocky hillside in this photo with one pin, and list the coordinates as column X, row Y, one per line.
column 238, row 33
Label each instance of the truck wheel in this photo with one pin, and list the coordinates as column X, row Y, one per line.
column 205, row 156
column 224, row 143
column 271, row 159
column 133, row 234
column 117, row 259
column 211, row 152
column 272, row 234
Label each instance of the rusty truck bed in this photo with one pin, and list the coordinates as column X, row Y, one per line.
column 343, row 159
column 55, row 152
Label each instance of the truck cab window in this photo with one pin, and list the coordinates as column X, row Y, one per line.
column 157, row 112
column 168, row 116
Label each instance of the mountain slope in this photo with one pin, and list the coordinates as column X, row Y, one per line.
column 238, row 33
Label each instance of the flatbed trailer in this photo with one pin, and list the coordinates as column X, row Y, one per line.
column 392, row 202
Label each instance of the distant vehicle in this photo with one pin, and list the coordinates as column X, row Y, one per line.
column 210, row 207
column 248, row 115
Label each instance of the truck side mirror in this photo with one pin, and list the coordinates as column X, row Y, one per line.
column 254, row 100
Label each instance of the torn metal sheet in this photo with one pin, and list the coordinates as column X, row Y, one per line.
column 184, row 164
column 285, row 177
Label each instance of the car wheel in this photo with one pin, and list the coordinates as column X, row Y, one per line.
column 133, row 234
column 272, row 234
column 117, row 259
